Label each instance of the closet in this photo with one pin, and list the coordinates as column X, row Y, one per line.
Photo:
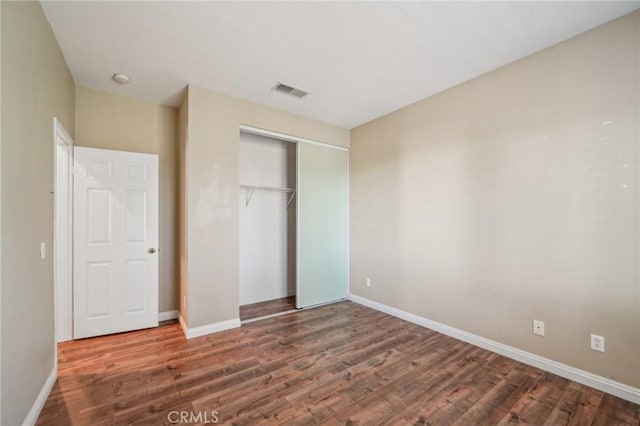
column 267, row 225
column 293, row 223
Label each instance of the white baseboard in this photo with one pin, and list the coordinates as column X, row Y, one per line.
column 33, row 414
column 203, row 330
column 603, row 384
column 168, row 315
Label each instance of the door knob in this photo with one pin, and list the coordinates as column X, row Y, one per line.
column 152, row 250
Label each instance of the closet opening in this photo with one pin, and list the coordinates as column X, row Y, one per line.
column 267, row 219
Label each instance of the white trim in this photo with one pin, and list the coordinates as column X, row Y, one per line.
column 1, row 232
column 168, row 315
column 203, row 330
column 62, row 132
column 36, row 408
column 285, row 137
column 603, row 384
column 63, row 291
column 347, row 284
column 297, row 226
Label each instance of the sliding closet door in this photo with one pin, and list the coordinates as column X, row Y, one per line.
column 322, row 224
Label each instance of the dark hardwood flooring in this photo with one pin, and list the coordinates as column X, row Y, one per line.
column 336, row 364
column 270, row 307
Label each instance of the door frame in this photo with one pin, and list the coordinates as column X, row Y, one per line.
column 63, row 290
column 295, row 139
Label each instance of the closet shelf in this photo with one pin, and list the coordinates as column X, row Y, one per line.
column 249, row 189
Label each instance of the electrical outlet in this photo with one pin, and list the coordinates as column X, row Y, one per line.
column 367, row 282
column 538, row 327
column 43, row 250
column 597, row 343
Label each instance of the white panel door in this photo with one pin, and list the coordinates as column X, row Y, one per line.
column 115, row 241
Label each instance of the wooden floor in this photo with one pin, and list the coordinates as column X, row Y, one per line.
column 336, row 364
column 270, row 307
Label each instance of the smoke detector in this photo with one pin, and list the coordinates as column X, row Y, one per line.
column 289, row 90
column 121, row 78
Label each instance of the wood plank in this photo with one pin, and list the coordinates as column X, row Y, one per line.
column 448, row 403
column 616, row 411
column 505, row 394
column 536, row 406
column 577, row 406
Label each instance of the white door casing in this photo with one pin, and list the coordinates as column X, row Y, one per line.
column 62, row 231
column 115, row 241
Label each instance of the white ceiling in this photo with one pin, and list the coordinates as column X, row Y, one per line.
column 358, row 60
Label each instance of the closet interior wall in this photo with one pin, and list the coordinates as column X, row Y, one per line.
column 267, row 223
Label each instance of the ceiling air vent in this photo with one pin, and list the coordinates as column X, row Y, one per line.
column 290, row 90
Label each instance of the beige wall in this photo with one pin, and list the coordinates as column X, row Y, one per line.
column 37, row 86
column 212, row 193
column 513, row 197
column 104, row 120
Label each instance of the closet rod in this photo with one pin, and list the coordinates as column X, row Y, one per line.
column 249, row 189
